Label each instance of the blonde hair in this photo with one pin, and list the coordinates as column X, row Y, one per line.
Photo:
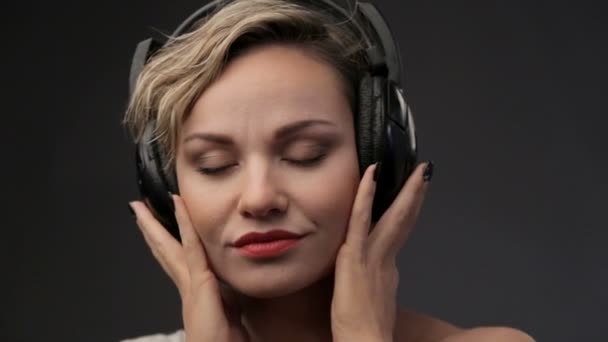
column 177, row 74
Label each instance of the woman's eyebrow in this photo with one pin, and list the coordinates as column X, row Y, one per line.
column 297, row 126
column 211, row 137
column 280, row 134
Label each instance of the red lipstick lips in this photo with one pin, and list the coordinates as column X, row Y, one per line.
column 269, row 244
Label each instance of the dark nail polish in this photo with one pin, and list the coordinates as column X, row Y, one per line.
column 428, row 171
column 171, row 201
column 131, row 211
column 377, row 171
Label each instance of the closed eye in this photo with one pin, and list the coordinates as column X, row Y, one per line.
column 214, row 170
column 299, row 162
column 307, row 162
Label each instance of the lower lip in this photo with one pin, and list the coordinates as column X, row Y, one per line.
column 268, row 249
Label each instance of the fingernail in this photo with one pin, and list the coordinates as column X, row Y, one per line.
column 377, row 171
column 428, row 171
column 132, row 211
column 171, row 201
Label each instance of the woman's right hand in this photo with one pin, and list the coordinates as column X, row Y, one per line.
column 210, row 313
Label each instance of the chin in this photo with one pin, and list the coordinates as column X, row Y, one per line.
column 268, row 281
column 266, row 289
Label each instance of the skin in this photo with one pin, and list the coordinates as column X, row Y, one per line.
column 263, row 188
column 339, row 283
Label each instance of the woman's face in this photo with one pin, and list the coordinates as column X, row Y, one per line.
column 270, row 145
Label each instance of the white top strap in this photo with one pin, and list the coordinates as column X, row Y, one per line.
column 177, row 336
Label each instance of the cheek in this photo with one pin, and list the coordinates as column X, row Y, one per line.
column 208, row 215
column 330, row 201
column 206, row 212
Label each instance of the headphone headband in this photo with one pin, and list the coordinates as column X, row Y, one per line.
column 382, row 52
column 384, row 128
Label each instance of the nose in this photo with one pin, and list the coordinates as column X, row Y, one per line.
column 261, row 196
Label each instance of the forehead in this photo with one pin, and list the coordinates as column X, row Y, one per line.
column 270, row 86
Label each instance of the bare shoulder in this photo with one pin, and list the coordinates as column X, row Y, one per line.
column 496, row 334
column 414, row 326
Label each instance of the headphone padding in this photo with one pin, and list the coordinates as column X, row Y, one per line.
column 168, row 177
column 369, row 121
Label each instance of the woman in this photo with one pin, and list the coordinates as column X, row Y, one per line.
column 254, row 110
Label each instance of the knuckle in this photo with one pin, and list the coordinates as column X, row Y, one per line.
column 403, row 217
column 350, row 252
column 387, row 263
column 360, row 214
column 391, row 277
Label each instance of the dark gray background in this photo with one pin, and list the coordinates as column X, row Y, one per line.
column 509, row 98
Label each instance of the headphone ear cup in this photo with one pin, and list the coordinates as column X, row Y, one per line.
column 153, row 183
column 168, row 177
column 398, row 152
column 369, row 121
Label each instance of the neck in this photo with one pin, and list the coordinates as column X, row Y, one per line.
column 301, row 316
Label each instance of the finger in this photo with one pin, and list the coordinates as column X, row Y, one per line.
column 396, row 224
column 161, row 260
column 203, row 284
column 360, row 218
column 165, row 248
column 193, row 247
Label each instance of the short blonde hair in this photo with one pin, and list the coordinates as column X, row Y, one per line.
column 175, row 76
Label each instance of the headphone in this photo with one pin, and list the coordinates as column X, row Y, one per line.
column 384, row 123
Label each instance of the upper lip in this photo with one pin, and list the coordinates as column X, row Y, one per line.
column 256, row 237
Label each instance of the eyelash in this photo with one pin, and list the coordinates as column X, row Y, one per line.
column 302, row 163
column 212, row 171
column 308, row 162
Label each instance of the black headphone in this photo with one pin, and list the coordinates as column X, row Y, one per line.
column 384, row 123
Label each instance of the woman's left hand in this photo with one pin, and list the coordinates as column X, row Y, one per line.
column 364, row 304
